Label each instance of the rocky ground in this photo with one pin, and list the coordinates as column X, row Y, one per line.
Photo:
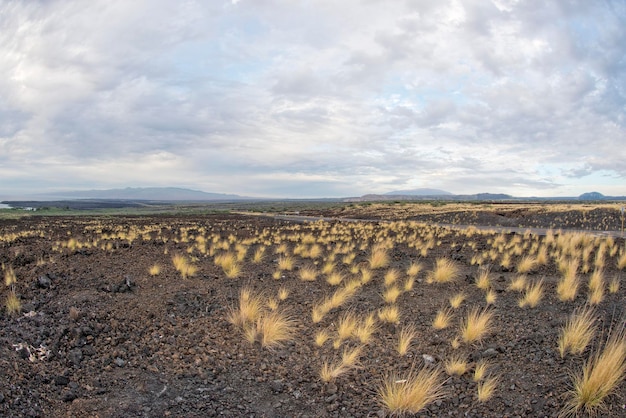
column 98, row 336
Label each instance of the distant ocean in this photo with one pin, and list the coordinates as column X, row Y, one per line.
column 4, row 206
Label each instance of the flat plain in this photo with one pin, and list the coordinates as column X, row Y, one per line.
column 225, row 314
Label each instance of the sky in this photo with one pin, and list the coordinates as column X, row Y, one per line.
column 314, row 98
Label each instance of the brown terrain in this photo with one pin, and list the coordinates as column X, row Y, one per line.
column 98, row 334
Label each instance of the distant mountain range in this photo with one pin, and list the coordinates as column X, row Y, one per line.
column 419, row 192
column 147, row 193
column 436, row 194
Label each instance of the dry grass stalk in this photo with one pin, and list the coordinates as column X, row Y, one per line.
column 486, row 389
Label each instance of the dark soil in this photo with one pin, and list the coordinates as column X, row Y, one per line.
column 114, row 341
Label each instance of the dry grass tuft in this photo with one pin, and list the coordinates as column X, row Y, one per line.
column 405, row 338
column 391, row 276
column 532, row 295
column 456, row 365
column 483, row 280
column 184, row 266
column 13, row 304
column 285, row 262
column 442, row 319
column 486, row 389
column 526, row 264
column 274, row 328
column 577, row 332
column 411, row 394
column 391, row 294
column 457, row 300
column 490, row 297
column 155, row 270
column 321, row 337
column 518, row 284
column 365, row 329
column 445, row 271
column 476, row 325
column 414, row 269
column 480, row 371
column 390, row 314
column 601, row 375
column 308, row 273
column 378, row 257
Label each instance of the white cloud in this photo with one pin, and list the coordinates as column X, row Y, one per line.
column 319, row 98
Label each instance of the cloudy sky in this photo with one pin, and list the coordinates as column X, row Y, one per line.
column 317, row 98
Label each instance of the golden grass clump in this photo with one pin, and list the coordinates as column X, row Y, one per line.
column 486, row 388
column 155, row 270
column 308, row 273
column 480, row 370
column 614, row 285
column 334, row 278
column 490, row 297
column 13, row 304
column 476, row 325
column 346, row 325
column 391, row 294
column 621, row 261
column 274, row 328
column 283, row 293
column 532, row 295
column 409, row 395
column 526, row 264
column 445, row 271
column 365, row 329
column 405, row 338
column 9, row 276
column 600, row 376
column 577, row 332
column 414, row 269
column 483, row 280
column 390, row 314
column 391, row 276
column 321, row 337
column 442, row 319
column 596, row 287
column 457, row 300
column 285, row 262
column 248, row 310
column 518, row 284
column 184, row 266
column 366, row 275
column 259, row 255
column 379, row 257
column 456, row 365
